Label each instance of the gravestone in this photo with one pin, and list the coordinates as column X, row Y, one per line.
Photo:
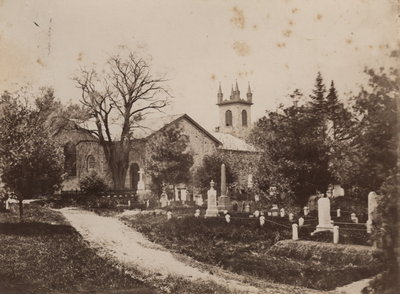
column 169, row 215
column 301, row 221
column 306, row 210
column 282, row 212
column 164, row 198
column 197, row 213
column 228, row 218
column 224, row 202
column 8, row 204
column 295, row 232
column 247, row 207
column 372, row 205
column 324, row 215
column 256, row 198
column 291, row 217
column 275, row 210
column 212, row 209
column 256, row 213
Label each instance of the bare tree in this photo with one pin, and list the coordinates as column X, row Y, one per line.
column 123, row 93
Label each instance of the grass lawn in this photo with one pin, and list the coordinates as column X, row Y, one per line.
column 242, row 247
column 46, row 255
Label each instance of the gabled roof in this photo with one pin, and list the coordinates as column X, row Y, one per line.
column 230, row 142
column 148, row 127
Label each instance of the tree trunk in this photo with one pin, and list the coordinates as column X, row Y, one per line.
column 117, row 156
column 21, row 209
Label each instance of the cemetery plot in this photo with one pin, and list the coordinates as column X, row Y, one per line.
column 241, row 244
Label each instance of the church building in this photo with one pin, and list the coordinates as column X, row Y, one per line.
column 83, row 153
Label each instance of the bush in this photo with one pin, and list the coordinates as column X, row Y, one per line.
column 92, row 184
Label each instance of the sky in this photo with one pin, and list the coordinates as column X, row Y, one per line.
column 276, row 46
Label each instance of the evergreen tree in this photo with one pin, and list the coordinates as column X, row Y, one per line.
column 169, row 158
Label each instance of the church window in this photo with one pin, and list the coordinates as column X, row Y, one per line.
column 91, row 163
column 70, row 159
column 228, row 118
column 244, row 118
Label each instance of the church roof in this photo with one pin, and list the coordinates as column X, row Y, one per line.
column 230, row 142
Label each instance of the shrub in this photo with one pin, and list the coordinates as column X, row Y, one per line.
column 92, row 184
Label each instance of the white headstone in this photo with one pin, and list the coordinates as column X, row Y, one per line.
column 301, row 221
column 324, row 215
column 256, row 213
column 8, row 204
column 282, row 212
column 169, row 215
column 269, row 213
column 256, row 198
column 228, row 218
column 247, row 207
column 212, row 209
column 295, row 232
column 372, row 204
column 164, row 199
column 306, row 210
column 335, row 235
column 338, row 212
column 140, row 185
column 274, row 210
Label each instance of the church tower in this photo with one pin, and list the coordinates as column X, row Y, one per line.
column 235, row 112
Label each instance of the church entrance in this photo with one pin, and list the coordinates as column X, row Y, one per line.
column 134, row 176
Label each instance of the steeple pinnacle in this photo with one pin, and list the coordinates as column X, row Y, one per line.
column 232, row 93
column 249, row 95
column 248, row 89
column 236, row 87
column 220, row 95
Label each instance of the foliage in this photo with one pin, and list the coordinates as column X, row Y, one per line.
column 122, row 93
column 30, row 161
column 211, row 170
column 295, row 158
column 92, row 184
column 386, row 227
column 377, row 129
column 169, row 159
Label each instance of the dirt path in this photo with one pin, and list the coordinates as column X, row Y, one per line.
column 132, row 250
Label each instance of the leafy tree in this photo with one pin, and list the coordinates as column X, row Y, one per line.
column 211, row 170
column 30, row 162
column 377, row 130
column 170, row 159
column 120, row 95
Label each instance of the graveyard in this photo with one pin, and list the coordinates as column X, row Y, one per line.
column 321, row 249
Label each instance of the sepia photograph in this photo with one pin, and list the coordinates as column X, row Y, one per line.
column 198, row 146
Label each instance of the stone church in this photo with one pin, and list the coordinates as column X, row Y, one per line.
column 83, row 153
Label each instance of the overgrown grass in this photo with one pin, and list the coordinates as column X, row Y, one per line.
column 44, row 254
column 242, row 247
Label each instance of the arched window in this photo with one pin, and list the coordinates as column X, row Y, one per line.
column 228, row 118
column 244, row 118
column 91, row 163
column 70, row 159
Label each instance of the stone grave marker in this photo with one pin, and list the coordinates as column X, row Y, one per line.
column 324, row 215
column 212, row 209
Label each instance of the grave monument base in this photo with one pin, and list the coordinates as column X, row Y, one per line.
column 224, row 203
